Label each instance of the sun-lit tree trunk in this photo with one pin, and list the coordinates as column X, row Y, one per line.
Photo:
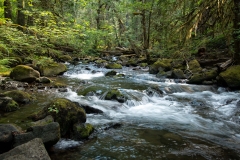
column 236, row 32
column 7, row 9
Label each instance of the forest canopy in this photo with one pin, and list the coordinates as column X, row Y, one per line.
column 85, row 27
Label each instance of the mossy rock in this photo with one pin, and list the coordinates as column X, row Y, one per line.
column 7, row 104
column 178, row 64
column 65, row 58
column 111, row 73
column 63, row 111
column 231, row 76
column 194, row 66
column 165, row 64
column 199, row 78
column 91, row 89
column 114, row 66
column 178, row 74
column 82, row 131
column 18, row 96
column 132, row 62
column 24, row 73
column 143, row 65
column 43, row 80
column 114, row 94
column 52, row 69
column 58, row 85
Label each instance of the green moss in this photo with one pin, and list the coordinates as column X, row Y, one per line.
column 88, row 89
column 232, row 76
column 65, row 58
column 114, row 66
column 143, row 65
column 52, row 69
column 11, row 106
column 194, row 66
column 84, row 130
column 58, row 85
column 198, row 78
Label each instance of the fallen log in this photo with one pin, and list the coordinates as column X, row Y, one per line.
column 225, row 65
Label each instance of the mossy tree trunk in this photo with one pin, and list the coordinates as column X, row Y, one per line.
column 7, row 9
column 236, row 32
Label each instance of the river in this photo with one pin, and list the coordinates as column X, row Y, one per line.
column 185, row 122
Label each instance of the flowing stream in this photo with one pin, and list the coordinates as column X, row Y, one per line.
column 185, row 122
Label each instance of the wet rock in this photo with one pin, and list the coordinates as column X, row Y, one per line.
column 231, row 76
column 33, row 149
column 18, row 96
column 114, row 94
column 7, row 104
column 113, row 66
column 207, row 75
column 62, row 90
column 154, row 90
column 52, row 69
column 82, row 131
column 49, row 133
column 160, row 65
column 111, row 73
column 43, row 80
column 6, row 137
column 178, row 74
column 194, row 66
column 90, row 110
column 24, row 73
column 63, row 111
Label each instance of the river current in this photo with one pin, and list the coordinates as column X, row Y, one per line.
column 185, row 122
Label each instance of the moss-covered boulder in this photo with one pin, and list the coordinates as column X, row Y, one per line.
column 231, row 76
column 114, row 94
column 52, row 69
column 178, row 74
column 24, row 73
column 111, row 73
column 18, row 96
column 114, row 66
column 199, row 78
column 164, row 64
column 43, row 80
column 194, row 66
column 82, row 131
column 63, row 111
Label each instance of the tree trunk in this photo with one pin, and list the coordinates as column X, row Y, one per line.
column 21, row 17
column 7, row 9
column 236, row 32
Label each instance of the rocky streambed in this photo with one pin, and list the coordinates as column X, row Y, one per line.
column 125, row 113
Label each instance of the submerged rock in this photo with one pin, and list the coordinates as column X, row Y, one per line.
column 111, row 73
column 33, row 149
column 24, row 73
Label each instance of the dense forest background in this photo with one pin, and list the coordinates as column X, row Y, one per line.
column 34, row 29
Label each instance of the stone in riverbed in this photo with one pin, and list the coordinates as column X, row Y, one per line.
column 231, row 76
column 7, row 104
column 24, row 73
column 18, row 96
column 31, row 150
column 82, row 131
column 6, row 136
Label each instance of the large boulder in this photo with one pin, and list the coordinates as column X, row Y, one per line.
column 18, row 96
column 178, row 74
column 24, row 73
column 231, row 76
column 63, row 111
column 52, row 69
column 6, row 137
column 49, row 133
column 31, row 150
column 160, row 65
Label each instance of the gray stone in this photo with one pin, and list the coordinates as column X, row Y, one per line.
column 50, row 134
column 32, row 150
